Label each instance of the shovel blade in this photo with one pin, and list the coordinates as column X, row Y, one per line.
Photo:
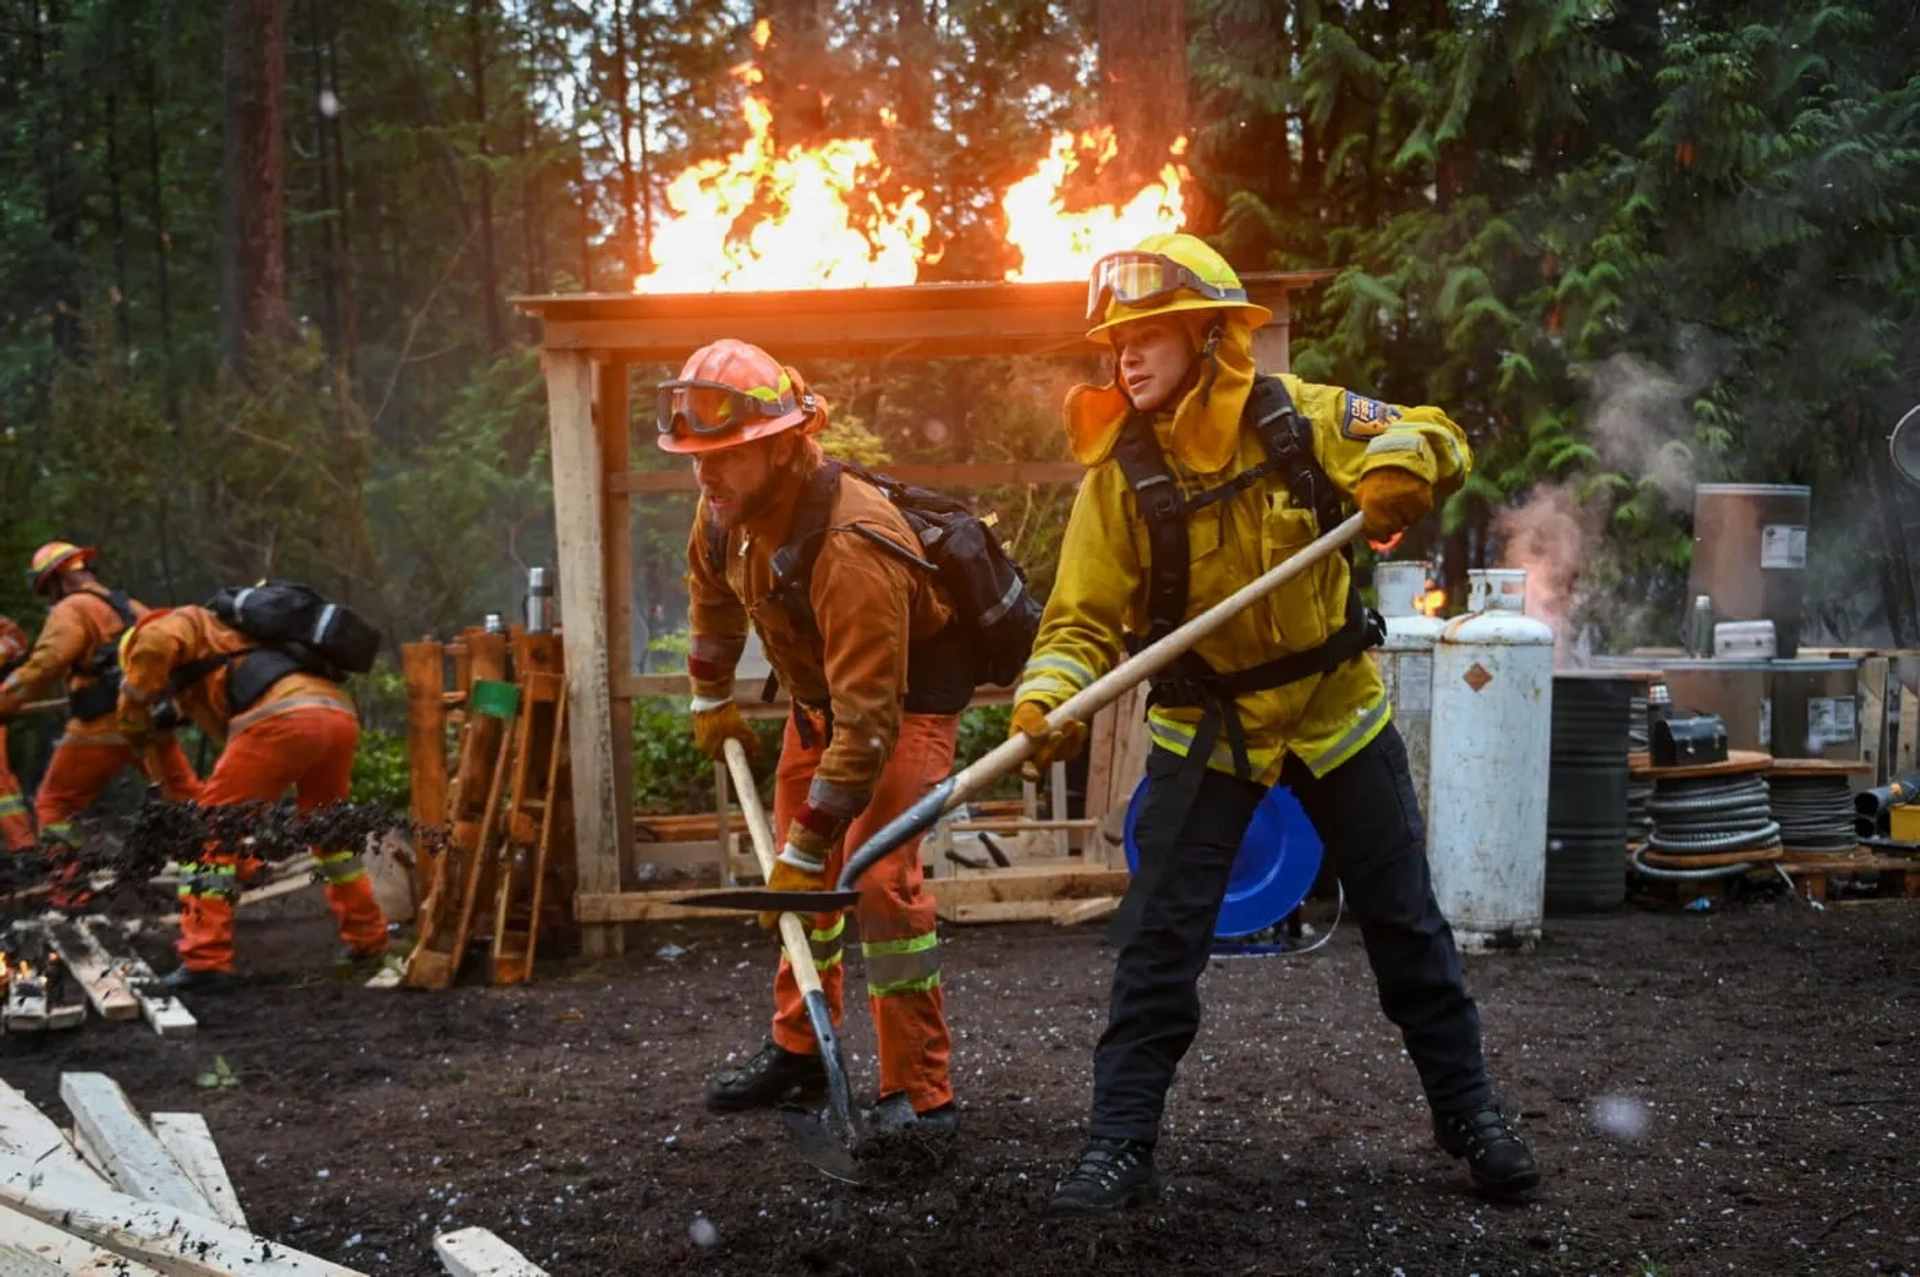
column 819, row 1147
column 761, row 900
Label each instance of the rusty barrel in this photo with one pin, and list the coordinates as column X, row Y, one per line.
column 1587, row 794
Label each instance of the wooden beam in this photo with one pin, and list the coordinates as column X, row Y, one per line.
column 1087, row 911
column 175, row 1242
column 29, row 1248
column 162, row 1010
column 754, row 707
column 95, row 969
column 423, row 667
column 612, row 421
column 1873, row 717
column 189, row 1141
column 602, row 845
column 139, row 1164
column 475, row 1252
column 944, row 476
column 28, row 1133
column 976, row 888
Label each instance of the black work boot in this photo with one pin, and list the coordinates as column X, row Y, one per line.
column 771, row 1076
column 1110, row 1174
column 894, row 1114
column 1499, row 1160
column 185, row 980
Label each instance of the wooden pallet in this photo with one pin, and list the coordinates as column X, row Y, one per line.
column 539, row 754
column 1883, row 878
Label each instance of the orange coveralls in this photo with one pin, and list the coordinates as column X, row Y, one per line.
column 301, row 733
column 90, row 753
column 867, row 606
column 16, row 826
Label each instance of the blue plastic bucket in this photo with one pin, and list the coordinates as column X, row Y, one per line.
column 1272, row 872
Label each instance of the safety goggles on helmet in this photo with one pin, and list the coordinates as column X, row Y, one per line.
column 707, row 408
column 1133, row 278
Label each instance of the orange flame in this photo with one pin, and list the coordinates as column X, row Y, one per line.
column 1057, row 244
column 811, row 216
column 1430, row 601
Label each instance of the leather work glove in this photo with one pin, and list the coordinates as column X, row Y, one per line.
column 791, row 872
column 1392, row 500
column 713, row 728
column 134, row 722
column 1052, row 744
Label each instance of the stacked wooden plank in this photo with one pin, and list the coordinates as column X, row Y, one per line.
column 100, row 955
column 136, row 1197
column 39, row 994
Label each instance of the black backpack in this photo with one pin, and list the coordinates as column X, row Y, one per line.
column 101, row 697
column 324, row 637
column 995, row 615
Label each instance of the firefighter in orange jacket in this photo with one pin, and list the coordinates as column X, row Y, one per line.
column 284, row 728
column 16, row 826
column 77, row 644
column 861, row 744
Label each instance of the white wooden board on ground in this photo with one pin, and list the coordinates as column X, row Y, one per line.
column 28, row 1133
column 96, row 971
column 162, row 1010
column 138, row 1163
column 187, row 1137
column 174, row 1242
column 475, row 1252
column 29, row 1248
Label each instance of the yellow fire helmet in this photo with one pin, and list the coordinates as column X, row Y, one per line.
column 1164, row 274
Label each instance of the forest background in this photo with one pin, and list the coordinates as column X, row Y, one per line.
column 255, row 262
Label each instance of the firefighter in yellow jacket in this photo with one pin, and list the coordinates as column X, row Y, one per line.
column 1201, row 476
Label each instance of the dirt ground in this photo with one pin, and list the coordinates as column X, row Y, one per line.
column 1733, row 1092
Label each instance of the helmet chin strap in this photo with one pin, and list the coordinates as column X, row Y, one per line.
column 1215, row 332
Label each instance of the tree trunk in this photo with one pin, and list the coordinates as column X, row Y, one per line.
column 157, row 213
column 1143, row 86
column 630, row 252
column 326, row 259
column 255, row 178
column 797, row 69
column 117, row 213
column 479, row 16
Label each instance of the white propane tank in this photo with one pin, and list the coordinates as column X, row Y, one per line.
column 1406, row 660
column 1492, row 739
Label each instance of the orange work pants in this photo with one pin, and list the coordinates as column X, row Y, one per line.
column 309, row 749
column 76, row 775
column 16, row 826
column 896, row 918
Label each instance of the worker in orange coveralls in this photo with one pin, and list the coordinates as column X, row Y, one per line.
column 862, row 743
column 77, row 644
column 16, row 826
column 285, row 728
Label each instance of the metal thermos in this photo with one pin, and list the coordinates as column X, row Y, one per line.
column 494, row 624
column 1698, row 639
column 539, row 601
column 1659, row 705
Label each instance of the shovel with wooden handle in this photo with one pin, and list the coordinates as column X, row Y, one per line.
column 829, row 1146
column 1082, row 706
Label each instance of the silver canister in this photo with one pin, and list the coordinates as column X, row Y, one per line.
column 1698, row 635
column 494, row 623
column 539, row 601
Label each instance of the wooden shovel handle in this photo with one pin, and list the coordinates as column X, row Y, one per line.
column 793, row 930
column 1148, row 661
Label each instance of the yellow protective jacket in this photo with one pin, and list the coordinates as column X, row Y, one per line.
column 1100, row 593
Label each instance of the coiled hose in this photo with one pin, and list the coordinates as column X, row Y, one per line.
column 1713, row 816
column 1815, row 813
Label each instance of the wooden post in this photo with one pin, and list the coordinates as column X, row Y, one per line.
column 1272, row 352
column 422, row 668
column 601, row 845
column 1873, row 717
column 610, row 410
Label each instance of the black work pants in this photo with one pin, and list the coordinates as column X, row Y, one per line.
column 1366, row 814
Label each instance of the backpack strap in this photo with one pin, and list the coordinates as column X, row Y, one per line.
column 1164, row 510
column 1288, row 440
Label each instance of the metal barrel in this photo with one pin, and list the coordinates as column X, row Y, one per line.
column 1750, row 555
column 1587, row 794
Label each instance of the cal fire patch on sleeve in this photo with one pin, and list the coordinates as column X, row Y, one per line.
column 1365, row 418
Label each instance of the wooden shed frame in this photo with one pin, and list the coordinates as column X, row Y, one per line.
column 590, row 340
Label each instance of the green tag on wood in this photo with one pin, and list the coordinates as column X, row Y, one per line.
column 494, row 698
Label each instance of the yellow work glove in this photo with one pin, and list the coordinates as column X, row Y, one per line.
column 797, row 869
column 713, row 728
column 1392, row 500
column 1051, row 744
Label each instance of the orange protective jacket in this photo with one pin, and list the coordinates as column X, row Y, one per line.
column 187, row 634
column 14, row 642
column 76, row 627
column 868, row 607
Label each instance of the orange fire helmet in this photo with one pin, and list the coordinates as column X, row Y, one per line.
column 730, row 393
column 53, row 556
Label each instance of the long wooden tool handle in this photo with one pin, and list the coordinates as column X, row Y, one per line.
column 793, row 931
column 36, row 707
column 1082, row 706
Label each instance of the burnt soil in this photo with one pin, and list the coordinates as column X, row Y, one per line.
column 1775, row 1048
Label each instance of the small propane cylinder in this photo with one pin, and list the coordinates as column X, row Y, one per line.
column 1406, row 660
column 539, row 601
column 1492, row 737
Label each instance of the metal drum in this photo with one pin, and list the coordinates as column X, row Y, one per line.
column 1587, row 793
column 1750, row 554
column 1815, row 709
